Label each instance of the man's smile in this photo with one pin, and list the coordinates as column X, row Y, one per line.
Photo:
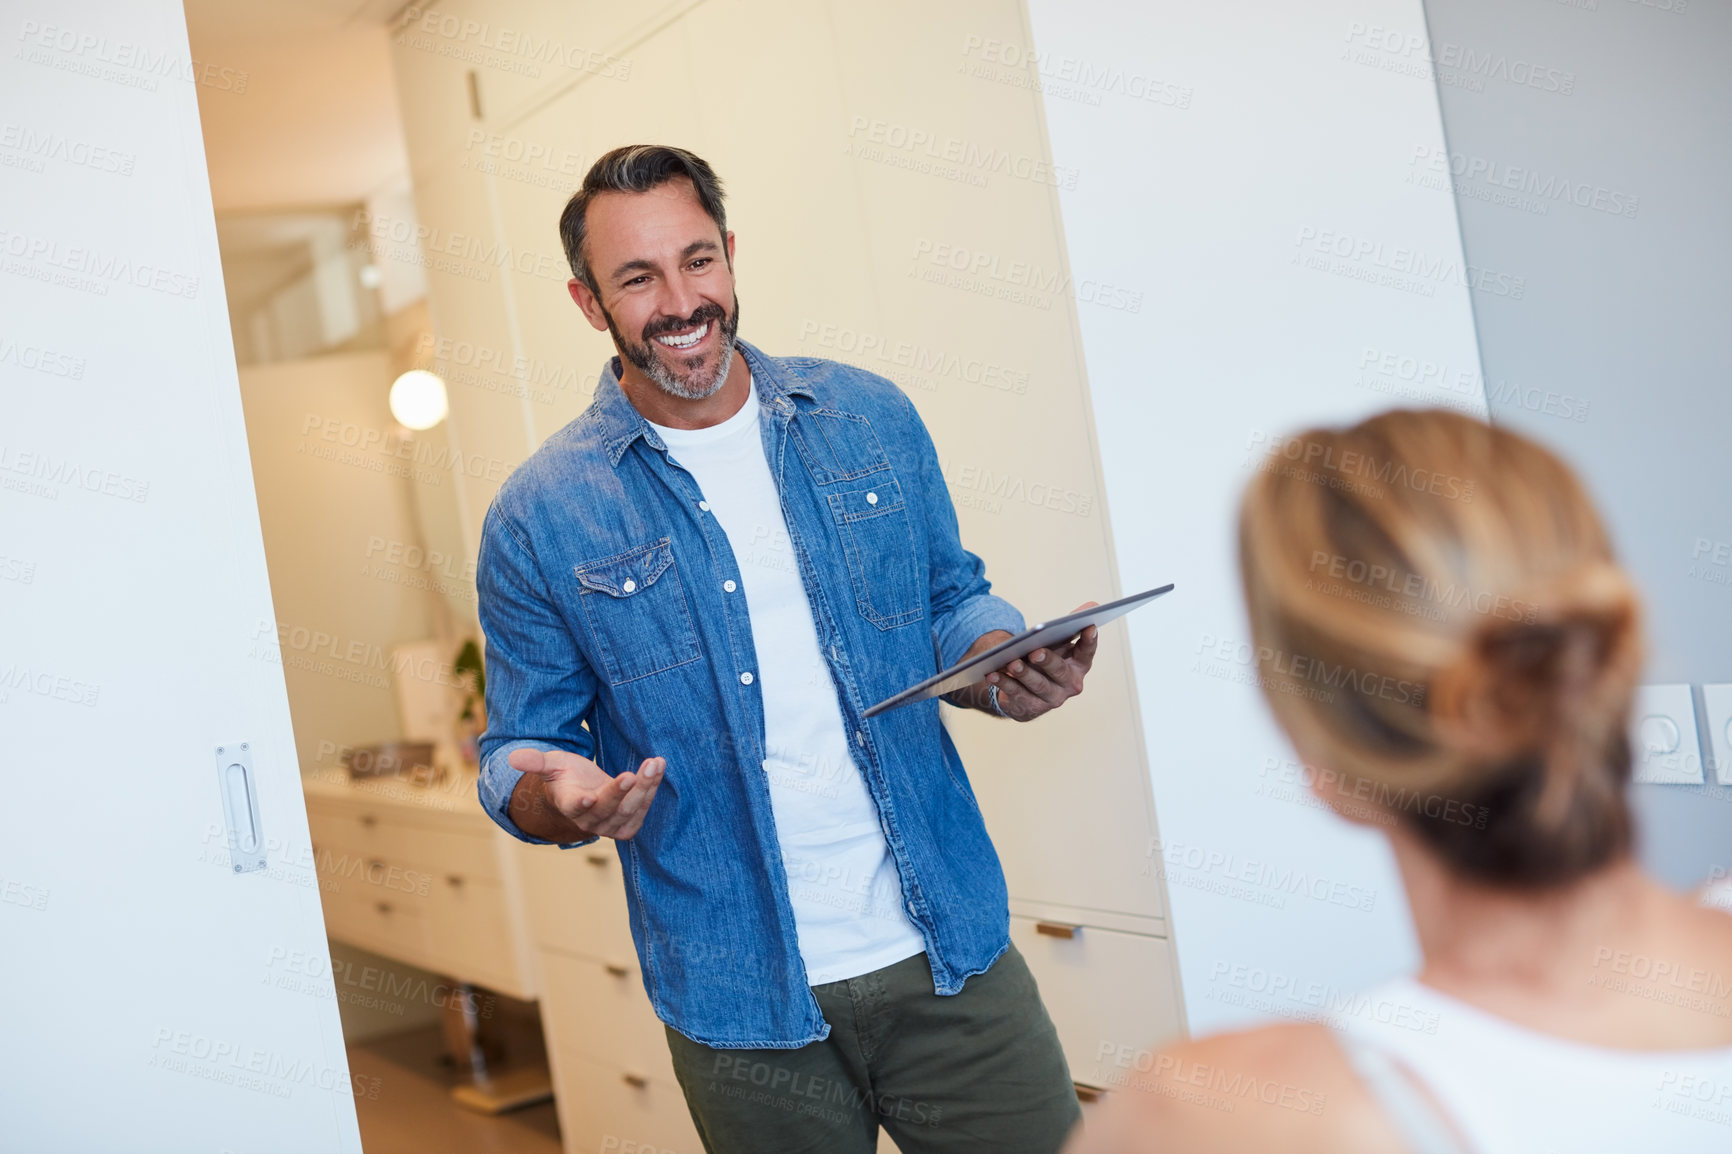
column 689, row 339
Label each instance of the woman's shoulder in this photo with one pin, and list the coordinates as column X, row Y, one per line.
column 1286, row 1087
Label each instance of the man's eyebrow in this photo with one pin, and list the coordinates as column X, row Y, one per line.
column 691, row 250
column 634, row 266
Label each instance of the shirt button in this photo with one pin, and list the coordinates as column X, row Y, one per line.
column 728, row 586
column 629, row 585
column 745, row 679
column 704, row 505
column 871, row 498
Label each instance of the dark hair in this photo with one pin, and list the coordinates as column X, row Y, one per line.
column 1501, row 616
column 635, row 168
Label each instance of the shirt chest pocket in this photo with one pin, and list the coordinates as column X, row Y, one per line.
column 637, row 613
column 852, row 472
column 878, row 541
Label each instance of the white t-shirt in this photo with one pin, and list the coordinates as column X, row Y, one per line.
column 842, row 881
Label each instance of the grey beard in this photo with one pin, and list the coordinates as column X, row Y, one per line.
column 691, row 391
column 645, row 359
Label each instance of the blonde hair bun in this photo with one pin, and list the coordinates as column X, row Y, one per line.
column 1493, row 594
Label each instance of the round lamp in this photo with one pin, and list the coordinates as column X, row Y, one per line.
column 418, row 399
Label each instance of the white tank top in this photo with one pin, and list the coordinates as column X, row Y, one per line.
column 1511, row 1090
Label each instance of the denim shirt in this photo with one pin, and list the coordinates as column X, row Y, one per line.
column 609, row 634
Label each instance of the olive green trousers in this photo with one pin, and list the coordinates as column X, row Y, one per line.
column 977, row 1072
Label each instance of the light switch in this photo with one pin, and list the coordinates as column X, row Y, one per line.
column 1663, row 742
column 1717, row 716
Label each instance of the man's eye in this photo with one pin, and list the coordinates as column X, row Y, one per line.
column 702, row 261
column 636, row 280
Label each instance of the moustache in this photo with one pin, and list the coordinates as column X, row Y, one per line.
column 707, row 312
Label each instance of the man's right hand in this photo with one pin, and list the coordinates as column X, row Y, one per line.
column 563, row 797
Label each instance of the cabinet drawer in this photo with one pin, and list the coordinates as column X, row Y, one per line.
column 576, row 901
column 344, row 831
column 393, row 924
column 382, row 832
column 600, row 1011
column 464, row 855
column 1106, row 991
column 605, row 1107
column 469, row 932
column 353, row 876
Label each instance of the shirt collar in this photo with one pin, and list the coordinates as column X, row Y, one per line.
column 621, row 424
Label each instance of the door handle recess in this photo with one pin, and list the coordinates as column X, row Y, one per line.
column 238, row 787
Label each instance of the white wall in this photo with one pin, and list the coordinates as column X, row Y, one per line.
column 1606, row 185
column 154, row 1003
column 338, row 496
column 1225, row 150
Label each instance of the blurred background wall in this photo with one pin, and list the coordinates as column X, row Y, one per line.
column 1288, row 277
column 1605, row 185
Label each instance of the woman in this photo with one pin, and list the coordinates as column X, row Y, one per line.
column 1566, row 1002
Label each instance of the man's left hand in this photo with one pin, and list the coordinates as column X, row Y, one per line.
column 1045, row 680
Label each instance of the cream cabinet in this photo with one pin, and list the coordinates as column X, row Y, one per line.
column 612, row 1076
column 622, row 1030
column 486, row 62
column 604, row 1108
column 576, row 901
column 420, row 874
column 1110, row 993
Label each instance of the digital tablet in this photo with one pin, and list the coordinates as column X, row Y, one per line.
column 1039, row 636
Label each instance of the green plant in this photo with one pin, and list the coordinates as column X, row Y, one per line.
column 468, row 669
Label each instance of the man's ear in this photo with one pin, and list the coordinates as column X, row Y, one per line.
column 729, row 241
column 588, row 302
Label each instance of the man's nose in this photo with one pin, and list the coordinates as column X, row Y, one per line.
column 682, row 298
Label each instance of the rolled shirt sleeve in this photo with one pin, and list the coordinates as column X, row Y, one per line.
column 963, row 604
column 539, row 687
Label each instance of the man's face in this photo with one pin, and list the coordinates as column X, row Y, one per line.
column 664, row 286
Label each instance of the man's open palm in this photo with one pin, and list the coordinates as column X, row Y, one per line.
column 598, row 805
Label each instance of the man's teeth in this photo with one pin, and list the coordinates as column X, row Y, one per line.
column 686, row 341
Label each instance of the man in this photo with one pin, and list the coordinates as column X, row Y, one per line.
column 691, row 594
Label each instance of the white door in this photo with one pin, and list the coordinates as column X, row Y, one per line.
column 165, row 989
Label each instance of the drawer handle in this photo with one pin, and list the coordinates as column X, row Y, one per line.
column 1057, row 930
column 369, row 820
column 635, row 1081
column 1085, row 1093
column 374, row 863
column 616, row 969
column 454, row 880
column 596, row 859
column 383, row 907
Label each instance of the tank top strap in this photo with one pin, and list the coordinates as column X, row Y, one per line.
column 1421, row 1125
